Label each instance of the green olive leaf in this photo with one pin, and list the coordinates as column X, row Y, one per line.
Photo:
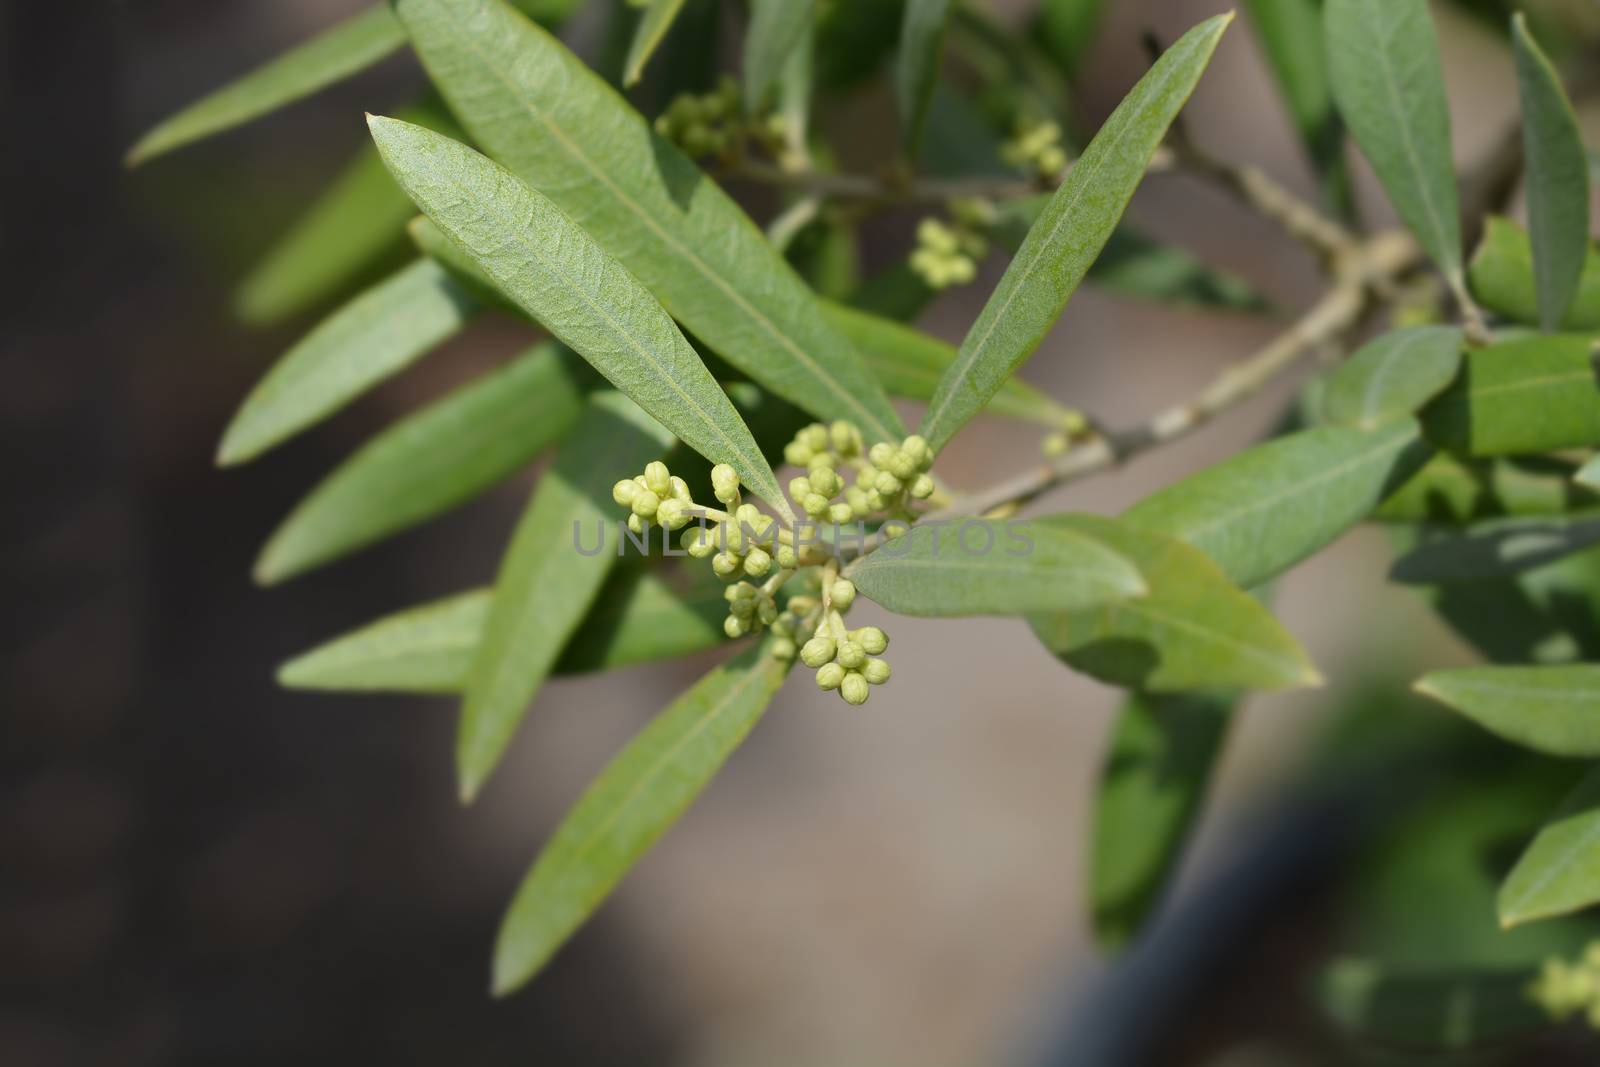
column 1262, row 511
column 1533, row 394
column 637, row 798
column 553, row 270
column 1451, row 490
column 1502, row 278
column 371, row 338
column 1383, row 59
column 776, row 28
column 536, row 108
column 1560, row 871
column 1069, row 235
column 1153, row 784
column 1495, row 548
column 985, row 567
column 1393, row 376
column 653, row 27
column 1558, row 178
column 1193, row 630
column 916, row 70
column 432, row 461
column 548, row 578
column 1551, row 709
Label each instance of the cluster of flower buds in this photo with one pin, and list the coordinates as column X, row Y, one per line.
column 947, row 255
column 751, row 608
column 884, row 477
column 845, row 660
column 1565, row 989
column 1036, row 146
column 1073, row 428
column 655, row 497
column 711, row 124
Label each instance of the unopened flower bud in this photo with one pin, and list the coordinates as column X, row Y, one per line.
column 623, row 492
column 902, row 466
column 844, row 438
column 851, row 656
column 636, row 524
column 876, row 671
column 783, row 649
column 854, row 688
column 673, row 514
column 757, row 563
column 786, row 558
column 796, row 453
column 724, row 483
column 829, row 676
column 857, row 499
column 840, row 513
column 842, row 593
column 658, row 478
column 916, row 446
column 872, row 640
column 679, row 490
column 645, row 503
column 815, row 437
column 815, row 505
column 734, row 626
column 725, row 564
column 826, row 480
column 817, row 651
column 921, row 487
column 887, row 484
column 767, row 611
column 800, row 488
column 880, row 454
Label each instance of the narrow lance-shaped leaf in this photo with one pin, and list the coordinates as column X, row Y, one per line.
column 653, row 27
column 370, row 339
column 1502, row 278
column 916, row 71
column 1555, row 710
column 1266, row 509
column 432, row 461
column 535, row 107
column 984, row 567
column 1496, row 548
column 1452, row 490
column 1194, row 630
column 1152, row 786
column 1383, row 58
column 636, row 799
column 1560, row 871
column 643, row 613
column 352, row 225
column 536, row 256
column 1067, row 28
column 909, row 363
column 1393, row 376
column 775, row 28
column 1558, row 178
column 549, row 577
column 1291, row 35
column 1069, row 235
column 1535, row 394
column 1588, row 475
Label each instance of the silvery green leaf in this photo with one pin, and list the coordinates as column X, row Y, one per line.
column 1502, row 278
column 1534, row 394
column 1452, row 490
column 1554, row 709
column 1496, row 548
column 1393, row 376
column 917, row 65
column 653, row 27
column 1560, row 871
column 775, row 29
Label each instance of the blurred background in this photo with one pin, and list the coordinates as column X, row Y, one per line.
column 202, row 867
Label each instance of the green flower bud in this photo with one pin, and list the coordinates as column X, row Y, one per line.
column 896, row 530
column 876, row 672
column 829, row 676
column 757, row 563
column 916, row 446
column 820, row 460
column 747, row 515
column 724, row 483
column 623, row 492
column 734, row 540
column 935, row 236
column 680, row 490
column 844, row 437
column 815, row 505
column 739, row 591
column 826, row 481
column 851, row 656
column 866, row 476
column 734, row 626
column 1054, row 445
column 800, row 488
column 887, row 484
column 854, row 688
column 857, row 500
column 742, row 609
column 876, row 501
column 696, row 138
column 783, row 649
column 796, row 453
column 902, row 466
column 842, row 594
column 767, row 611
column 784, row 624
column 728, row 89
column 636, row 524
column 817, row 651
column 725, row 564
column 664, row 126
column 840, row 513
column 880, row 454
column 802, row 605
column 1052, row 161
column 645, row 503
column 786, row 558
column 961, row 270
column 673, row 514
column 658, row 478
column 698, row 541
column 812, row 555
column 815, row 437
column 921, row 487
column 872, row 640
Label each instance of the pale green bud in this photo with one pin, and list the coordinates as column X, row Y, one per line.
column 734, row 626
column 866, row 476
column 767, row 611
column 739, row 591
column 658, row 478
column 673, row 514
column 857, row 500
column 724, row 483
column 697, row 138
column 921, row 487
column 747, row 515
column 796, row 453
column 815, row 505
column 817, row 651
column 880, row 454
column 959, row 270
column 829, row 676
column 734, row 540
column 1054, row 445
column 757, row 563
column 814, row 436
column 821, row 460
column 872, row 640
column 916, row 446
column 786, row 558
column 876, row 672
column 800, row 488
column 854, row 688
column 851, row 656
column 784, row 624
column 844, row 437
column 783, row 649
column 664, row 126
column 802, row 604
column 742, row 609
column 875, row 500
column 623, row 492
column 680, row 490
column 887, row 484
column 636, row 524
column 725, row 564
column 895, row 530
column 840, row 513
column 935, row 236
column 902, row 466
column 842, row 593
column 645, row 503
column 698, row 541
column 811, row 555
column 826, row 481
column 1052, row 161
